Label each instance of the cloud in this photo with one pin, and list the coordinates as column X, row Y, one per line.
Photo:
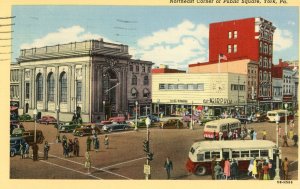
column 176, row 46
column 283, row 39
column 291, row 23
column 61, row 36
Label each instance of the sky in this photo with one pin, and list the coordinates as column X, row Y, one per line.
column 174, row 36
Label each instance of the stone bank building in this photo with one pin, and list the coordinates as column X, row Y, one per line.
column 96, row 78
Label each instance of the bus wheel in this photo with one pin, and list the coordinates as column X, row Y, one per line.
column 200, row 171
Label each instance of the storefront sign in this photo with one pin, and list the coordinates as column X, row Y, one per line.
column 217, row 101
column 178, row 101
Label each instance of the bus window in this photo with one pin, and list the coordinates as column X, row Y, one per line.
column 192, row 150
column 200, row 157
column 224, row 128
column 264, row 153
column 245, row 153
column 254, row 153
column 207, row 155
column 211, row 126
column 235, row 154
column 217, row 154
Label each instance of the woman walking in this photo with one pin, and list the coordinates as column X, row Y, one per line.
column 227, row 168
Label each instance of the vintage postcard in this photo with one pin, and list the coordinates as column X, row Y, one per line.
column 172, row 93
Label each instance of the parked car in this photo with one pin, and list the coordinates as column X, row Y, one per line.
column 260, row 117
column 67, row 127
column 244, row 119
column 47, row 119
column 86, row 130
column 106, row 122
column 117, row 119
column 187, row 118
column 140, row 123
column 172, row 124
column 15, row 145
column 14, row 126
column 154, row 118
column 25, row 117
column 116, row 127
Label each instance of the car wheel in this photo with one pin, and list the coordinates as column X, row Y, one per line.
column 125, row 128
column 200, row 171
column 12, row 153
column 109, row 130
column 81, row 134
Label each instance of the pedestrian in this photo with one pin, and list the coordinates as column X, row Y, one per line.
column 266, row 171
column 46, row 150
column 234, row 170
column 254, row 134
column 218, row 171
column 22, row 150
column 87, row 163
column 213, row 164
column 250, row 167
column 230, row 135
column 227, row 168
column 291, row 133
column 285, row 168
column 65, row 148
column 279, row 131
column 295, row 139
column 35, row 150
column 70, row 147
column 26, row 150
column 168, row 166
column 254, row 170
column 88, row 143
column 264, row 133
column 251, row 133
column 285, row 143
column 76, row 147
column 260, row 171
column 106, row 141
column 96, row 145
column 220, row 135
column 215, row 135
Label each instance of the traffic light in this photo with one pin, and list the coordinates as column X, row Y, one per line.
column 150, row 156
column 146, row 146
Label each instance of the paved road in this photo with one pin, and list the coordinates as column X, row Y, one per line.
column 125, row 158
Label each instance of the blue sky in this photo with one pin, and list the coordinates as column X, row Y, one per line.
column 176, row 36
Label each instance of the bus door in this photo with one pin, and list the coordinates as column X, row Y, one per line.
column 226, row 153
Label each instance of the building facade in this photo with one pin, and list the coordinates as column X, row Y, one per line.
column 215, row 92
column 92, row 77
column 245, row 67
column 250, row 38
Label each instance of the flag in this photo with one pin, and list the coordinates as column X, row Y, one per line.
column 222, row 56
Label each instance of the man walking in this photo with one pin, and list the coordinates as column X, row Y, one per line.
column 213, row 164
column 285, row 168
column 285, row 141
column 168, row 166
column 46, row 150
column 88, row 143
column 295, row 138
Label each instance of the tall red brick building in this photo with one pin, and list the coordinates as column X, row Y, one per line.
column 249, row 38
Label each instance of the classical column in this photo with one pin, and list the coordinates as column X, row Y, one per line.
column 45, row 96
column 72, row 88
column 84, row 88
column 124, row 90
column 56, row 97
column 33, row 89
column 22, row 89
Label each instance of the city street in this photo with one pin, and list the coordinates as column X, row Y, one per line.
column 125, row 158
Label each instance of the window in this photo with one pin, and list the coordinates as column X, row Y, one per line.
column 235, row 48
column 245, row 154
column 51, row 85
column 182, row 86
column 270, row 62
column 137, row 68
column 163, row 86
column 149, row 69
column 217, row 154
column 260, row 75
column 229, row 48
column 63, row 87
column 260, row 61
column 235, row 154
column 172, row 86
column 270, row 49
column 78, row 90
column 265, row 62
column 143, row 69
column 134, row 80
column 190, row 86
column 134, row 92
column 254, row 153
column 207, row 155
column 39, row 87
column 27, row 90
column 200, row 86
column 200, row 157
column 146, row 93
column 131, row 68
column 264, row 153
column 146, row 80
column 229, row 35
column 235, row 34
column 260, row 47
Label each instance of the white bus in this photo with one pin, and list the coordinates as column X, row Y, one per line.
column 271, row 115
column 202, row 153
column 224, row 125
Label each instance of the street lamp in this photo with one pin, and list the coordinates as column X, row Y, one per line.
column 192, row 117
column 277, row 177
column 148, row 122
column 104, row 109
column 136, row 104
column 57, row 120
column 35, row 114
column 285, row 126
column 158, row 108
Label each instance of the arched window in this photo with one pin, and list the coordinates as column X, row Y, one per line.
column 51, row 85
column 134, row 80
column 260, row 47
column 260, row 75
column 146, row 93
column 134, row 92
column 146, row 80
column 270, row 62
column 260, row 61
column 63, row 87
column 39, row 87
column 270, row 49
